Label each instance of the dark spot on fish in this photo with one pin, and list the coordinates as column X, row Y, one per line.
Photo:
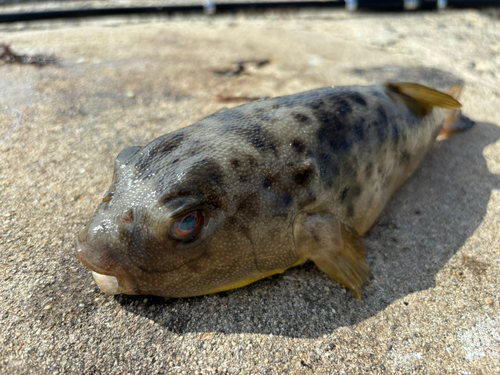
column 235, row 163
column 350, row 168
column 301, row 118
column 369, row 169
column 205, row 177
column 350, row 210
column 243, row 177
column 357, row 98
column 395, row 131
column 332, row 132
column 298, row 145
column 302, row 176
column 404, row 157
column 324, row 160
column 328, row 168
column 266, row 184
column 356, row 190
column 395, row 137
column 254, row 134
column 380, row 127
column 253, row 163
column 316, row 104
column 343, row 108
column 344, row 192
column 358, row 130
column 232, row 224
column 244, row 174
column 382, row 115
column 166, row 144
column 286, row 201
column 248, row 205
column 213, row 172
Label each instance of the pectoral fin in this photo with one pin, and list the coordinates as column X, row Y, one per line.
column 420, row 99
column 334, row 247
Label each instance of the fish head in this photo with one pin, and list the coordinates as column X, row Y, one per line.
column 161, row 229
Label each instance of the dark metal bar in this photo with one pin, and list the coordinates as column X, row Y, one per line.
column 226, row 7
column 212, row 6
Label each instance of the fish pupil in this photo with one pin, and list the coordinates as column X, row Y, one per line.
column 189, row 223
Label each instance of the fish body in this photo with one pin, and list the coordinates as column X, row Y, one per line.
column 251, row 191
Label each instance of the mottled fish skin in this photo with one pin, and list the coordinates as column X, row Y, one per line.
column 251, row 171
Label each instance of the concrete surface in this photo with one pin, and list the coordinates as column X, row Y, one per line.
column 433, row 305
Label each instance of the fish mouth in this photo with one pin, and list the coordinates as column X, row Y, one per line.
column 107, row 284
column 104, row 279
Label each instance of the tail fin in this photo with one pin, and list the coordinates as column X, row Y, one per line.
column 455, row 121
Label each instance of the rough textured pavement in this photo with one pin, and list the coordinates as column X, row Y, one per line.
column 433, row 305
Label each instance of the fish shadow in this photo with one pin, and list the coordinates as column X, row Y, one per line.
column 426, row 223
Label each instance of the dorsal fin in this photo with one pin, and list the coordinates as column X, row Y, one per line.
column 420, row 99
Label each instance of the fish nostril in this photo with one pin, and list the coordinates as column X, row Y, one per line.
column 128, row 217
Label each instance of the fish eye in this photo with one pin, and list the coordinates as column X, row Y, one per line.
column 188, row 225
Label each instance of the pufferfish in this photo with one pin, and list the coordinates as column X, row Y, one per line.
column 252, row 191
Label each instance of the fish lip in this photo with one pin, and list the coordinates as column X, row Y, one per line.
column 105, row 280
column 82, row 257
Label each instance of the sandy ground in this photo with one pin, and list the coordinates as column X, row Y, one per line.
column 433, row 305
